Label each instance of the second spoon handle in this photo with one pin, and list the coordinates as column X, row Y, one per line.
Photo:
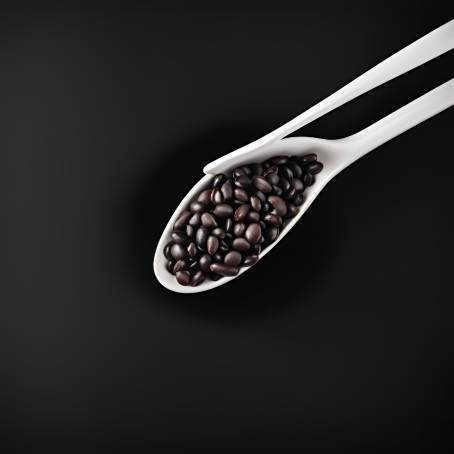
column 408, row 116
column 428, row 47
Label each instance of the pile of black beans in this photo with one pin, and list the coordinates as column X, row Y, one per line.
column 229, row 224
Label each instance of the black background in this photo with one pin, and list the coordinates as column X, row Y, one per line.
column 339, row 340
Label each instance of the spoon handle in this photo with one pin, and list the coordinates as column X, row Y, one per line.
column 408, row 116
column 432, row 45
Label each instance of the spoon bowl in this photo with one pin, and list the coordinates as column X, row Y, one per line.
column 335, row 156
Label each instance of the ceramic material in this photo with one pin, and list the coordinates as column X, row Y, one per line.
column 335, row 155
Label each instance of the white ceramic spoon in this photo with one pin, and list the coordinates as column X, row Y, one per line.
column 335, row 155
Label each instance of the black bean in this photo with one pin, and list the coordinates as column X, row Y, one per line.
column 261, row 196
column 298, row 185
column 223, row 246
column 197, row 207
column 218, row 180
column 253, row 216
column 250, row 260
column 218, row 257
column 194, row 266
column 201, row 237
column 205, row 197
column 169, row 265
column 195, row 220
column 243, row 181
column 278, row 204
column 192, row 250
column 273, row 219
column 214, row 276
column 180, row 223
column 295, row 168
column 308, row 179
column 183, row 277
column 238, row 172
column 241, row 213
column 189, row 231
column 271, row 234
column 167, row 250
column 178, row 251
column 212, row 244
column 256, row 249
column 298, row 199
column 289, row 194
column 224, row 270
column 223, row 210
column 253, row 233
column 270, row 170
column 179, row 265
column 228, row 224
column 180, row 238
column 277, row 190
column 284, row 184
column 255, row 202
column 220, row 233
column 285, row 172
column 216, row 196
column 208, row 220
column 239, row 228
column 256, row 169
column 266, row 207
column 246, row 170
column 205, row 262
column 198, row 278
column 233, row 258
column 273, row 178
column 278, row 160
column 241, row 195
column 262, row 185
column 240, row 244
column 308, row 158
column 315, row 167
column 292, row 210
column 227, row 190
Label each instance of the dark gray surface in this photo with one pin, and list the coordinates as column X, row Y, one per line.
column 340, row 339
